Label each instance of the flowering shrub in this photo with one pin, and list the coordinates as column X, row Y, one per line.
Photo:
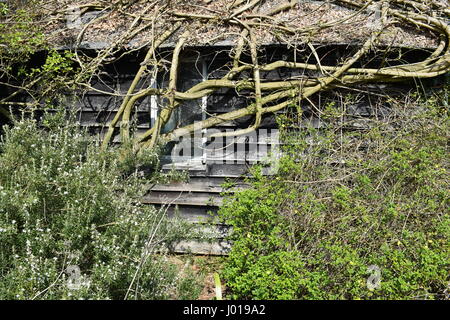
column 72, row 226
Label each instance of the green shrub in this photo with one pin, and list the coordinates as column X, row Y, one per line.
column 345, row 201
column 71, row 223
column 20, row 36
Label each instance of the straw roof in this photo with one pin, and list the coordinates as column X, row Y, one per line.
column 102, row 24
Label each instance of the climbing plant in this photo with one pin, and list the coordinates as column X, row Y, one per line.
column 175, row 23
column 349, row 215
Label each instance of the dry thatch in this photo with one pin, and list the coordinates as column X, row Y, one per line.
column 103, row 23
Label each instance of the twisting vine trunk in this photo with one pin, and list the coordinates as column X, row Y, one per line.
column 171, row 24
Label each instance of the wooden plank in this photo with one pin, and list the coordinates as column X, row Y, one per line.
column 242, row 152
column 187, row 187
column 212, row 231
column 193, row 214
column 193, row 166
column 218, row 181
column 227, row 170
column 168, row 195
column 176, row 198
column 99, row 119
column 217, row 248
column 102, row 102
column 195, row 187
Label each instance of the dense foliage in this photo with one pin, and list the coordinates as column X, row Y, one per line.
column 71, row 225
column 19, row 36
column 343, row 201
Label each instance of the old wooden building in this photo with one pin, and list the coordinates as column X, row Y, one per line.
column 208, row 160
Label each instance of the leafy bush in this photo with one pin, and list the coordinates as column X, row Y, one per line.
column 19, row 36
column 72, row 226
column 346, row 200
